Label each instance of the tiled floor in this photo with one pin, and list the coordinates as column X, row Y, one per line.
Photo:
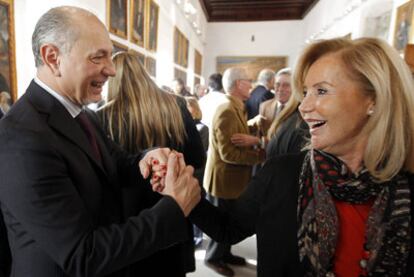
column 246, row 249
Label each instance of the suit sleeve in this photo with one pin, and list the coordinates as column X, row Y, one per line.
column 39, row 196
column 231, row 224
column 224, row 127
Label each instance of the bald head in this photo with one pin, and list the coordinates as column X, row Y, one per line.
column 61, row 27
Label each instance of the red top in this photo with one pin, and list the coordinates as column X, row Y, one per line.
column 351, row 238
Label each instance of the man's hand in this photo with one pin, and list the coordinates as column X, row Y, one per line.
column 243, row 140
column 180, row 183
column 256, row 121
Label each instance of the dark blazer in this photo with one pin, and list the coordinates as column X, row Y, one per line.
column 291, row 137
column 258, row 95
column 61, row 207
column 268, row 209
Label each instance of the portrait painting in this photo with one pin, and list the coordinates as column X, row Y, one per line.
column 117, row 17
column 253, row 65
column 118, row 47
column 151, row 66
column 180, row 74
column 197, row 80
column 198, row 59
column 152, row 26
column 137, row 26
column 7, row 50
column 403, row 32
column 180, row 48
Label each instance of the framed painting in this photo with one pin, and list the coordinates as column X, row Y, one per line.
column 198, row 59
column 137, row 24
column 180, row 74
column 403, row 33
column 7, row 49
column 197, row 80
column 151, row 66
column 118, row 47
column 180, row 48
column 176, row 46
column 117, row 17
column 253, row 65
column 152, row 26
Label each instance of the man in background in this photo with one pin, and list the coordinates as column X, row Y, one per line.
column 229, row 167
column 261, row 92
column 214, row 98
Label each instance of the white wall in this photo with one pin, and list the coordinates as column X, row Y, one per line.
column 27, row 12
column 272, row 38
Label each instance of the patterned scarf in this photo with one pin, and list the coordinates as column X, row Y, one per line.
column 388, row 230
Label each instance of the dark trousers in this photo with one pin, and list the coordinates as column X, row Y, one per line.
column 217, row 251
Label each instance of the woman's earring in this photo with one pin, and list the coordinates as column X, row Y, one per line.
column 370, row 111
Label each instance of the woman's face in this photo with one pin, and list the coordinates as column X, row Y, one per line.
column 335, row 107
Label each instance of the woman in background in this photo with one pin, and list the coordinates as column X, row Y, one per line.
column 139, row 115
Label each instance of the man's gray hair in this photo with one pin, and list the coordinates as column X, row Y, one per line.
column 56, row 27
column 231, row 75
column 284, row 71
column 265, row 76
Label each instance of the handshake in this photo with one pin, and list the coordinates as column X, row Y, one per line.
column 171, row 176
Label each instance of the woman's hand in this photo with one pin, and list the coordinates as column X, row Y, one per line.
column 244, row 140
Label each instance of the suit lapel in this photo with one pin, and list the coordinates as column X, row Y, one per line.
column 60, row 120
column 241, row 116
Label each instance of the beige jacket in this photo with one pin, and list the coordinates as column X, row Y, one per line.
column 229, row 168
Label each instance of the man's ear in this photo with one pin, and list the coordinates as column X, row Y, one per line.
column 50, row 58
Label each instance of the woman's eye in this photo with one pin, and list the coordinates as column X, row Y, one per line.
column 304, row 93
column 322, row 91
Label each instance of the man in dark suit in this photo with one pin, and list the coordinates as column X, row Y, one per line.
column 60, row 186
column 261, row 92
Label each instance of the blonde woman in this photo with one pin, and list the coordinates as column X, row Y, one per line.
column 343, row 207
column 139, row 115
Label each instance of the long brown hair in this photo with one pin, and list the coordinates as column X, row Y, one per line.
column 138, row 114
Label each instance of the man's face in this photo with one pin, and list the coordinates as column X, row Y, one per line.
column 282, row 88
column 244, row 87
column 88, row 65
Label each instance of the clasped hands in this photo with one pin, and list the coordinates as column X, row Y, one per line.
column 172, row 177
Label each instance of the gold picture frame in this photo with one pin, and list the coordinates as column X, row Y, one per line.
column 117, row 15
column 152, row 26
column 198, row 62
column 137, row 23
column 180, row 48
column 403, row 31
column 8, row 80
column 180, row 74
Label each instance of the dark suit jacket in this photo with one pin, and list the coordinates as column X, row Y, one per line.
column 268, row 209
column 61, row 207
column 291, row 137
column 258, row 95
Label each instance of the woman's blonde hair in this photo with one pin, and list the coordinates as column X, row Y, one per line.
column 193, row 103
column 387, row 79
column 138, row 114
